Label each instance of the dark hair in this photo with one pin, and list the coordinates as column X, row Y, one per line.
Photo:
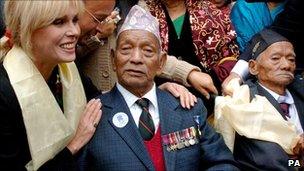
column 2, row 24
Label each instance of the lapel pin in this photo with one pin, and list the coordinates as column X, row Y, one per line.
column 120, row 119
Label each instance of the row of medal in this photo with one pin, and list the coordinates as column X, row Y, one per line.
column 180, row 139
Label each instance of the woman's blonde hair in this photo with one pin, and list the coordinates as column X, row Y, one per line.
column 22, row 18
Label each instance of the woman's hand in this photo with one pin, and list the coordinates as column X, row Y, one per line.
column 187, row 99
column 87, row 125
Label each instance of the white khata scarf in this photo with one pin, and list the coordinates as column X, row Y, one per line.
column 48, row 129
column 256, row 119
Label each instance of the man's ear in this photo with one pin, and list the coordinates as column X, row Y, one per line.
column 253, row 67
column 112, row 56
column 162, row 62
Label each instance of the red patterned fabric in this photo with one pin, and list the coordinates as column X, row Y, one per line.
column 223, row 70
column 9, row 35
column 155, row 149
column 213, row 35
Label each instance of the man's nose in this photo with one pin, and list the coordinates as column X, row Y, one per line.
column 136, row 56
column 286, row 64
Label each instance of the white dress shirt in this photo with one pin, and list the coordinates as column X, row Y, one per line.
column 294, row 117
column 136, row 109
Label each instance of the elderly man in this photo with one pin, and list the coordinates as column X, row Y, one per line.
column 144, row 128
column 288, row 23
column 97, row 24
column 273, row 65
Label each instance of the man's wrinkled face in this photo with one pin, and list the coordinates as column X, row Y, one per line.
column 100, row 9
column 275, row 66
column 137, row 59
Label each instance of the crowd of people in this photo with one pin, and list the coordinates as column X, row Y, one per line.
column 131, row 85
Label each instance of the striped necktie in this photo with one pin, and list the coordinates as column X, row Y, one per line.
column 146, row 125
column 285, row 108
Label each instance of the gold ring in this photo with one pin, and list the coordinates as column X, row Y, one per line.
column 95, row 125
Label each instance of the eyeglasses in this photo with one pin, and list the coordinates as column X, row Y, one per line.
column 95, row 18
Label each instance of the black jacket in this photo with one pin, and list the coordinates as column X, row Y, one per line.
column 14, row 148
column 255, row 154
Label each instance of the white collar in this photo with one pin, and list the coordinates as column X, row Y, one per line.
column 131, row 98
column 286, row 99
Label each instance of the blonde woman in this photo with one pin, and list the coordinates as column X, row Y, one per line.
column 44, row 119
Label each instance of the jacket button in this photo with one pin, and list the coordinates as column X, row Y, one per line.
column 105, row 74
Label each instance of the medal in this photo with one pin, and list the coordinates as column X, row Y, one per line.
column 187, row 144
column 175, row 141
column 194, row 133
column 187, row 137
column 166, row 142
column 180, row 144
column 165, row 139
column 198, row 121
column 191, row 140
column 182, row 137
column 172, row 142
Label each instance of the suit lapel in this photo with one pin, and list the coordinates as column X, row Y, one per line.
column 170, row 122
column 129, row 133
column 273, row 101
column 298, row 101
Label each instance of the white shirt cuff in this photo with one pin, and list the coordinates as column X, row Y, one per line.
column 241, row 68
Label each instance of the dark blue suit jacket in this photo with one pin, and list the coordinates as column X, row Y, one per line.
column 255, row 154
column 113, row 148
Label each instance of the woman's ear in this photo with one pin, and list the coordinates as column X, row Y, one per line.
column 253, row 67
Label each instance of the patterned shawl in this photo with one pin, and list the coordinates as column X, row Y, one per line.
column 213, row 35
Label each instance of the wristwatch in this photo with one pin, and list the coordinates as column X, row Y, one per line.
column 94, row 41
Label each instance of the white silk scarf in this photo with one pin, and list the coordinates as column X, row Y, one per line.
column 255, row 119
column 48, row 129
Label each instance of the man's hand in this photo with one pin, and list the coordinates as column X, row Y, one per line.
column 225, row 90
column 298, row 150
column 108, row 26
column 202, row 82
column 187, row 99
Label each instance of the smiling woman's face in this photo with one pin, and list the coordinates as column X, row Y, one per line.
column 56, row 42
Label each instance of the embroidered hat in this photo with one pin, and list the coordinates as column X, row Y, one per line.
column 260, row 42
column 140, row 19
